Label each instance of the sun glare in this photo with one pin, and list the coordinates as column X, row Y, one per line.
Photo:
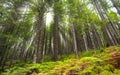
column 49, row 18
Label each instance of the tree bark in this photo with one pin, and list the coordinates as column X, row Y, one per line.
column 55, row 37
column 74, row 40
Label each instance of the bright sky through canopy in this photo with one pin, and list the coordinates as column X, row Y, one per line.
column 49, row 18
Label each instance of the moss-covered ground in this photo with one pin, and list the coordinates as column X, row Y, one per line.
column 105, row 61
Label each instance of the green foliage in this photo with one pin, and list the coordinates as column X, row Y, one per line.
column 112, row 49
column 93, row 64
column 89, row 53
column 106, row 73
column 30, row 68
column 117, row 72
column 109, row 68
column 16, row 71
column 91, row 59
column 88, row 71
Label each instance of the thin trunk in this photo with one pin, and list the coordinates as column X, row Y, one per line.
column 74, row 40
column 91, row 37
column 85, row 41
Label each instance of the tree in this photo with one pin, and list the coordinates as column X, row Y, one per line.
column 116, row 4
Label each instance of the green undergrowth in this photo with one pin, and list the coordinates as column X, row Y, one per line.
column 93, row 62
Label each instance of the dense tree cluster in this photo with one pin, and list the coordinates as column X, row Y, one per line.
column 77, row 25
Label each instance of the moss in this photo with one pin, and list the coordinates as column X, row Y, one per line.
column 112, row 49
column 117, row 71
column 88, row 71
column 90, row 63
column 109, row 68
column 91, row 59
column 16, row 71
column 106, row 73
column 86, row 53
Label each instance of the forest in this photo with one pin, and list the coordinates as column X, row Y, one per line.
column 59, row 37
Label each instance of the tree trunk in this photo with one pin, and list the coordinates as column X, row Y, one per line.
column 74, row 40
column 55, row 37
column 116, row 5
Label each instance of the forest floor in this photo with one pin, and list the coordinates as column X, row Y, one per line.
column 105, row 61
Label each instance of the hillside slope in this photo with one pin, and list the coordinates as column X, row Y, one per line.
column 100, row 62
